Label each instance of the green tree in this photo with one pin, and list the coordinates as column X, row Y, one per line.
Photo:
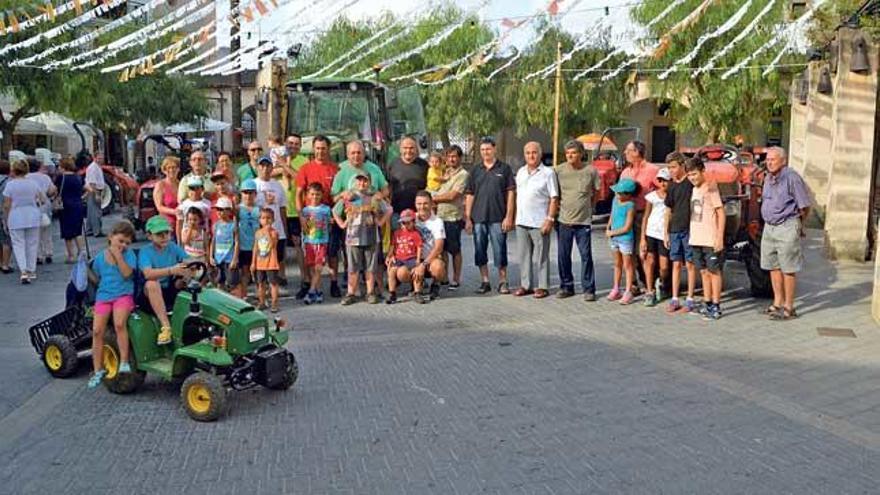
column 706, row 104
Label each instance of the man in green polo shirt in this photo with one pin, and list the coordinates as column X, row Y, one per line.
column 357, row 163
column 249, row 169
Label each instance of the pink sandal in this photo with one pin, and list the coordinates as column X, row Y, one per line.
column 614, row 294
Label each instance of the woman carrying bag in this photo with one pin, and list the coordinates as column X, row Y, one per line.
column 70, row 204
column 22, row 199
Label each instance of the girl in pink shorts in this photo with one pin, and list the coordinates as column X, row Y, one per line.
column 114, row 269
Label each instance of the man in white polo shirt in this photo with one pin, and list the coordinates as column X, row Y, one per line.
column 537, row 202
column 94, row 192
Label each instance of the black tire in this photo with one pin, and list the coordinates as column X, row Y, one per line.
column 759, row 279
column 290, row 374
column 61, row 361
column 120, row 383
column 110, row 182
column 203, row 396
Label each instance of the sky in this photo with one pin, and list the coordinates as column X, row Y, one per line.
column 296, row 16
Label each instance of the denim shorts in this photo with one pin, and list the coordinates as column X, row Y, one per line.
column 679, row 247
column 623, row 244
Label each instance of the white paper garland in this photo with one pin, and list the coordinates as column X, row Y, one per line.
column 771, row 42
column 137, row 38
column 360, row 46
column 702, row 40
column 63, row 28
column 741, row 36
column 140, row 60
column 194, row 60
column 87, row 38
column 59, row 11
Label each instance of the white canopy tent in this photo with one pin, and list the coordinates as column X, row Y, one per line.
column 201, row 125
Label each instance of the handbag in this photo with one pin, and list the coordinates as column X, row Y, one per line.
column 57, row 203
column 45, row 220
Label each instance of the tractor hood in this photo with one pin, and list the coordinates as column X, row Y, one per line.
column 224, row 303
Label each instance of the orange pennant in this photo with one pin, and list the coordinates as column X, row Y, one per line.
column 149, row 68
column 274, row 3
column 132, row 73
column 2, row 24
column 203, row 36
column 13, row 22
column 123, row 76
column 48, row 10
column 261, row 7
column 553, row 8
column 508, row 23
column 77, row 7
column 248, row 14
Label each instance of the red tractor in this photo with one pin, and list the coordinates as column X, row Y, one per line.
column 607, row 160
column 740, row 179
column 121, row 187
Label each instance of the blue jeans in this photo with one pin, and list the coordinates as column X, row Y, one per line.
column 566, row 234
column 484, row 233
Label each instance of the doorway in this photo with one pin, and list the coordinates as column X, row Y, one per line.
column 662, row 143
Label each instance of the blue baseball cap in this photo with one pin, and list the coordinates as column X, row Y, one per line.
column 264, row 159
column 249, row 185
column 625, row 186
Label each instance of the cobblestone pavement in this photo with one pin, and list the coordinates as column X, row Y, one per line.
column 483, row 394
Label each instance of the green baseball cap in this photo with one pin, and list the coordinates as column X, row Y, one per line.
column 158, row 224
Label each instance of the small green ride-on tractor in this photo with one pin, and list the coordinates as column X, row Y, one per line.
column 219, row 343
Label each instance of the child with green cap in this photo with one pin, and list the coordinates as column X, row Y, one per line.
column 161, row 262
column 622, row 238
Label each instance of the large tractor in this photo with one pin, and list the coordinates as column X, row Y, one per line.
column 349, row 109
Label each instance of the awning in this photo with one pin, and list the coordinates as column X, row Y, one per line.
column 202, row 125
column 57, row 124
column 27, row 126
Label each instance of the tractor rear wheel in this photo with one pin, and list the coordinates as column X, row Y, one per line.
column 291, row 373
column 116, row 382
column 759, row 279
column 203, row 396
column 59, row 356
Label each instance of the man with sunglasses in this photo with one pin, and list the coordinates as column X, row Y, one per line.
column 249, row 169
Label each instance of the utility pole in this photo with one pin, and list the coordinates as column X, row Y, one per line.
column 235, row 96
column 558, row 101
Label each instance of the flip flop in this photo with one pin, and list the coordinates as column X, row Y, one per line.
column 770, row 310
column 784, row 315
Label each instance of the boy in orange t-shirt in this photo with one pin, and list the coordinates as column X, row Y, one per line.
column 707, row 236
column 264, row 266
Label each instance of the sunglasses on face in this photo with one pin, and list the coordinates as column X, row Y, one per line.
column 255, row 149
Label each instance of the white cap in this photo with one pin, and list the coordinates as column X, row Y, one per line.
column 223, row 203
column 664, row 174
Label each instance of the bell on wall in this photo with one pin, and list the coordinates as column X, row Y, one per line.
column 833, row 55
column 859, row 62
column 803, row 90
column 824, row 86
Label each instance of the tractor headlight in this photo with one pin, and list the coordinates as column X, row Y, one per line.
column 257, row 334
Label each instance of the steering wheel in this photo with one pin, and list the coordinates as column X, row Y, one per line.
column 198, row 269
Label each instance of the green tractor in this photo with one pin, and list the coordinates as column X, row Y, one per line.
column 219, row 343
column 349, row 109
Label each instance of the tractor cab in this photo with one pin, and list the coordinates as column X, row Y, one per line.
column 605, row 156
column 354, row 109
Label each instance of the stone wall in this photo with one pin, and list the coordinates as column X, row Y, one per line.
column 832, row 146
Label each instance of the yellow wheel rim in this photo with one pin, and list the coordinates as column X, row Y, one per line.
column 53, row 356
column 111, row 362
column 198, row 398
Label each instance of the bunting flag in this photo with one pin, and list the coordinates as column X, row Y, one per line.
column 248, row 14
column 168, row 53
column 2, row 24
column 123, row 76
column 261, row 7
column 553, row 8
column 77, row 7
column 14, row 26
column 48, row 10
column 692, row 18
column 347, row 55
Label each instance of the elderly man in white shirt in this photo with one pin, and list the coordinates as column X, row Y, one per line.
column 537, row 202
column 94, row 191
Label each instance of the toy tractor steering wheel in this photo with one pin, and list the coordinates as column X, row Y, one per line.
column 199, row 270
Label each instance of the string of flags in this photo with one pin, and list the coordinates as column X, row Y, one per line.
column 48, row 12
column 146, row 65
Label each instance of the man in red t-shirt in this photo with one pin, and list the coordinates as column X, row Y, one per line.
column 644, row 174
column 321, row 170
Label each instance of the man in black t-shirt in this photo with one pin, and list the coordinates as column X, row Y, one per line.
column 678, row 200
column 406, row 176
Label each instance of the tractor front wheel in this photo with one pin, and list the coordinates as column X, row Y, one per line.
column 59, row 356
column 203, row 396
column 116, row 382
column 291, row 373
column 759, row 279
